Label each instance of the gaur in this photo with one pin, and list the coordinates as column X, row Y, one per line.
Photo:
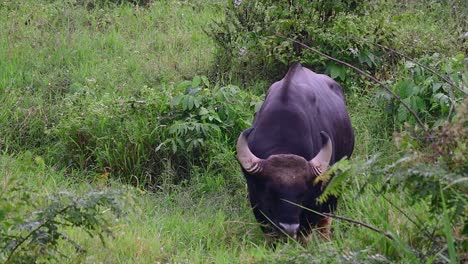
column 301, row 129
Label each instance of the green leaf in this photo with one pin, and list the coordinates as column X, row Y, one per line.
column 334, row 185
column 190, row 103
column 196, row 102
column 406, row 88
column 180, row 142
column 436, row 87
column 183, row 85
column 441, row 99
column 190, row 146
column 337, row 71
column 402, row 114
column 205, row 80
column 203, row 111
column 384, row 94
column 196, row 81
column 367, row 57
column 459, row 57
column 417, row 103
column 174, row 146
column 176, row 100
column 185, row 103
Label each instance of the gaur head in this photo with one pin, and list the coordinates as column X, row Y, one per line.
column 282, row 184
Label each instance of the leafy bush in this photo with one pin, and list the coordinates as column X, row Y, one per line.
column 432, row 97
column 431, row 167
column 434, row 170
column 251, row 48
column 31, row 232
column 156, row 131
column 249, row 44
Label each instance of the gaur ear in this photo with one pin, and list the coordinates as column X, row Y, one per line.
column 246, row 158
column 320, row 162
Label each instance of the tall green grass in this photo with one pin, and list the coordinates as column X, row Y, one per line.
column 69, row 75
column 182, row 224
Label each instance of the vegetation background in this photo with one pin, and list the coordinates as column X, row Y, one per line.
column 118, row 121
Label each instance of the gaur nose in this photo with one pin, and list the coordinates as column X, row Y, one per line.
column 290, row 229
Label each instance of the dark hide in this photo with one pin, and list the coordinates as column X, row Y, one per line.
column 296, row 109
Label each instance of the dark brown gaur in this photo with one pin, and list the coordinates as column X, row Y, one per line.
column 302, row 128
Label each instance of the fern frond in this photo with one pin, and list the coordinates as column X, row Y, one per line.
column 334, row 179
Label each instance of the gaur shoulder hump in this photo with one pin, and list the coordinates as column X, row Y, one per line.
column 296, row 66
column 286, row 82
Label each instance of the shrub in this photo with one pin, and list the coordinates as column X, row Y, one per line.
column 158, row 130
column 433, row 169
column 346, row 30
column 31, row 232
column 249, row 44
column 430, row 96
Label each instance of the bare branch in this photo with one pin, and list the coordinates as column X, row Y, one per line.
column 371, row 227
column 419, row 225
column 383, row 232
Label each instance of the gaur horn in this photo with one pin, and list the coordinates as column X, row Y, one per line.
column 321, row 161
column 246, row 158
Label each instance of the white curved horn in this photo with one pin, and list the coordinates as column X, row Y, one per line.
column 321, row 161
column 246, row 158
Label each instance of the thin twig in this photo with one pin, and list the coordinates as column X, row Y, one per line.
column 421, row 124
column 371, row 227
column 383, row 232
column 419, row 225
